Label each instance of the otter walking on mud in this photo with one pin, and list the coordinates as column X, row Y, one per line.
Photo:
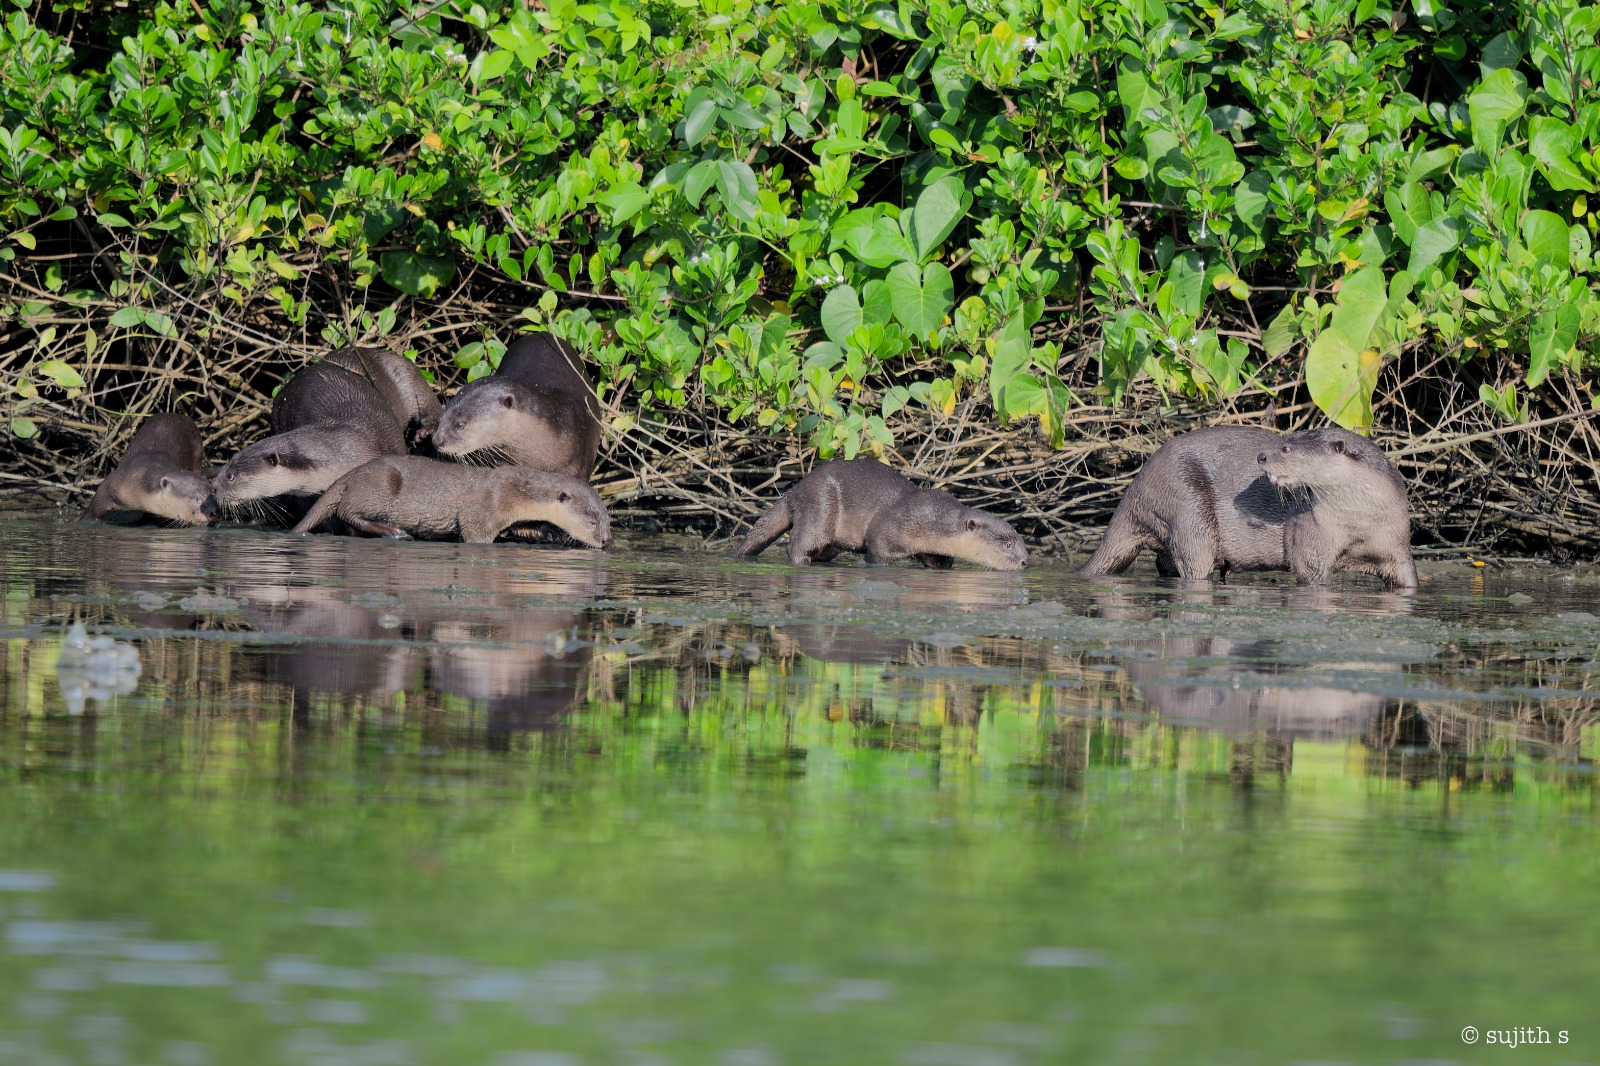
column 163, row 473
column 435, row 500
column 859, row 505
column 537, row 410
column 328, row 419
column 1207, row 499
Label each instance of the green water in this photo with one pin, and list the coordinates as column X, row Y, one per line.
column 379, row 803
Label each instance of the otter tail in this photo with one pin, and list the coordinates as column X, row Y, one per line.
column 1117, row 548
column 768, row 528
column 323, row 509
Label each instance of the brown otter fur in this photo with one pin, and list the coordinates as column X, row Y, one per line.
column 328, row 419
column 860, row 505
column 537, row 410
column 162, row 474
column 1360, row 520
column 1204, row 501
column 430, row 499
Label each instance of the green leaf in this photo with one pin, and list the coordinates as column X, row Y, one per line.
column 416, row 274
column 1188, row 276
column 1553, row 335
column 699, row 116
column 61, row 374
column 1553, row 143
column 1497, row 100
column 939, row 207
column 737, row 184
column 701, row 177
column 1281, row 332
column 921, row 302
column 1010, row 352
column 841, row 314
column 1435, row 238
column 1360, row 304
column 24, row 428
column 624, row 201
column 1342, row 379
column 128, row 317
column 1545, row 234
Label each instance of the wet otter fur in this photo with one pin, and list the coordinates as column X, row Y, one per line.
column 435, row 500
column 162, row 475
column 1360, row 519
column 537, row 410
column 333, row 416
column 859, row 505
column 1204, row 501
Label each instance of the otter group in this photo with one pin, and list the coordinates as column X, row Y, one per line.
column 526, row 438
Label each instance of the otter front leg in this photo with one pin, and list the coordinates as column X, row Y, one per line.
column 930, row 561
column 1308, row 551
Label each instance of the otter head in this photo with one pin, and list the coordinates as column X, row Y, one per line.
column 182, row 497
column 569, row 504
column 1322, row 460
column 280, row 465
column 486, row 416
column 988, row 541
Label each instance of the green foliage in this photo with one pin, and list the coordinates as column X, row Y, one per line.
column 816, row 213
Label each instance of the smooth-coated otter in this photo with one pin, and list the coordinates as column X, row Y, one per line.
column 326, row 392
column 1360, row 519
column 1205, row 500
column 163, row 473
column 860, row 505
column 436, row 500
column 537, row 410
column 328, row 419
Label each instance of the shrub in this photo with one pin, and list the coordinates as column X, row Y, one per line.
column 811, row 215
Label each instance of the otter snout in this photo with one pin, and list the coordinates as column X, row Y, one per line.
column 209, row 508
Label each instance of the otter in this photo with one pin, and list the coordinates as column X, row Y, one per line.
column 860, row 505
column 537, row 410
column 430, row 499
column 1207, row 499
column 325, row 392
column 1360, row 521
column 328, row 419
column 162, row 474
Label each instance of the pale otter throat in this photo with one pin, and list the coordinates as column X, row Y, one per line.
column 859, row 505
column 537, row 410
column 434, row 500
column 1208, row 499
column 162, row 474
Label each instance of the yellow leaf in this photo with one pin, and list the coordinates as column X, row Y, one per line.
column 415, row 210
column 432, row 140
column 1580, row 206
column 315, row 222
column 1223, row 281
column 1469, row 342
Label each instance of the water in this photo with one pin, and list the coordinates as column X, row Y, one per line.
column 380, row 803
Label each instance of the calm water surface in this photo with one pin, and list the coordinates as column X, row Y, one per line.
column 380, row 803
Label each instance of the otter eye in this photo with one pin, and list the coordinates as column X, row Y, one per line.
column 232, row 474
column 272, row 458
column 1284, row 449
column 1338, row 446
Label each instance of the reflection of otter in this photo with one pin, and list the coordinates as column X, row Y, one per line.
column 860, row 505
column 1203, row 501
column 1360, row 520
column 328, row 419
column 440, row 501
column 537, row 410
column 1238, row 694
column 162, row 474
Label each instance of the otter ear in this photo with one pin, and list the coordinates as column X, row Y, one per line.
column 508, row 400
column 972, row 525
column 272, row 458
column 563, row 496
column 166, row 483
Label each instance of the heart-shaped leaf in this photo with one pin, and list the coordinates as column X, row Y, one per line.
column 921, row 299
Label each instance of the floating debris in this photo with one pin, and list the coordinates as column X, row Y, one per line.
column 95, row 668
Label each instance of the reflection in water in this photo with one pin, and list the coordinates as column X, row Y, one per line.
column 374, row 802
